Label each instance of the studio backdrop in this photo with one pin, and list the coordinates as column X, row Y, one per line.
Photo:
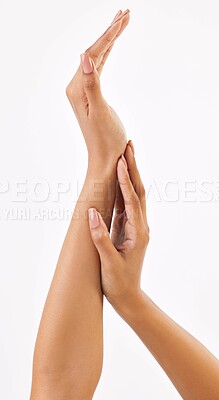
column 162, row 79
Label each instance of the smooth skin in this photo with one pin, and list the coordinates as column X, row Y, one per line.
column 68, row 352
column 193, row 370
column 69, row 347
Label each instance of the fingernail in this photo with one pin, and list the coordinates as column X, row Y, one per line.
column 122, row 167
column 124, row 161
column 120, row 16
column 116, row 16
column 132, row 147
column 93, row 218
column 86, row 63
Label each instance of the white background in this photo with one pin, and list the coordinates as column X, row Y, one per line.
column 162, row 79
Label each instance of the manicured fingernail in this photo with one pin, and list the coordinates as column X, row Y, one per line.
column 86, row 63
column 116, row 16
column 124, row 161
column 93, row 218
column 132, row 147
column 120, row 16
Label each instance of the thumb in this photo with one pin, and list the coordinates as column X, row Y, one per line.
column 101, row 237
column 91, row 80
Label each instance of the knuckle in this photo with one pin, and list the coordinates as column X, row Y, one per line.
column 91, row 52
column 142, row 193
column 71, row 93
column 107, row 40
column 134, row 199
column 143, row 237
column 68, row 91
column 100, row 236
column 131, row 198
column 139, row 187
column 89, row 83
column 147, row 228
column 122, row 182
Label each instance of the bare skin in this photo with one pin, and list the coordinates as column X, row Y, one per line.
column 69, row 347
column 68, row 351
column 193, row 370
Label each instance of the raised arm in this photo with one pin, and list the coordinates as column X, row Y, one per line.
column 193, row 370
column 68, row 352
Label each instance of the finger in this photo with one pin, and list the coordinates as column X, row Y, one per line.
column 119, row 202
column 99, row 48
column 135, row 177
column 103, row 43
column 116, row 16
column 118, row 233
column 130, row 198
column 91, row 82
column 125, row 21
column 99, row 52
column 104, row 58
column 101, row 237
column 118, row 217
column 120, row 15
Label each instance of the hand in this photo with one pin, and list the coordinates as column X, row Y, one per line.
column 122, row 257
column 103, row 131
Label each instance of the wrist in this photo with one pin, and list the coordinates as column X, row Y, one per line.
column 132, row 307
column 100, row 186
column 101, row 178
column 102, row 166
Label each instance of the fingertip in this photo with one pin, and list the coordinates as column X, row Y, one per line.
column 116, row 16
column 129, row 156
column 127, row 16
column 121, row 16
column 122, row 22
column 130, row 143
column 94, row 220
column 122, row 167
column 122, row 163
column 125, row 22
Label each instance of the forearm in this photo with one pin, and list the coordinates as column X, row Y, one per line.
column 68, row 351
column 193, row 370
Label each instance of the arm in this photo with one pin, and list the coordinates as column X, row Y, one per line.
column 69, row 347
column 68, row 351
column 193, row 370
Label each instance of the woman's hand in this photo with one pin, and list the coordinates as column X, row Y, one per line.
column 193, row 370
column 122, row 257
column 102, row 129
